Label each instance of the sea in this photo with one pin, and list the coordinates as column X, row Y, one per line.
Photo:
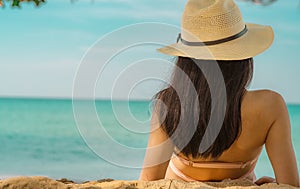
column 85, row 140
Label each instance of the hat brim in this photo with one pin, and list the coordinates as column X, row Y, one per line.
column 257, row 39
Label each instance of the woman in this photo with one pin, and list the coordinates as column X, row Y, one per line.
column 206, row 126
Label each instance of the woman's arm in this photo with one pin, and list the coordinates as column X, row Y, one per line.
column 279, row 144
column 158, row 152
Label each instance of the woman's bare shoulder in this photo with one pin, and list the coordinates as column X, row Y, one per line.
column 265, row 98
column 266, row 104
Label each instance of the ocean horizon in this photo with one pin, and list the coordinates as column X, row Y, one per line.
column 40, row 136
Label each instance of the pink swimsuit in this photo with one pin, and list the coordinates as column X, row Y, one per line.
column 223, row 165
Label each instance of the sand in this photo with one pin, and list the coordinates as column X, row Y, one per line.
column 44, row 182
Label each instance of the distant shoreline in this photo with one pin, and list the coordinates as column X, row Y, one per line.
column 86, row 99
column 70, row 99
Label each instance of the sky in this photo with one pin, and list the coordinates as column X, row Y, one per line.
column 43, row 50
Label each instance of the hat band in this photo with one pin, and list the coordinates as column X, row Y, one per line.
column 207, row 43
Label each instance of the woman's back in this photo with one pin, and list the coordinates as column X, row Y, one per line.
column 256, row 122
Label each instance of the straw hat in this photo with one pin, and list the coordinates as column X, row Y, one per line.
column 215, row 30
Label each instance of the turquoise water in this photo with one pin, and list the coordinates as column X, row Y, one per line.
column 41, row 137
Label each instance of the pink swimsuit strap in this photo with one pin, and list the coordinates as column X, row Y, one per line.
column 230, row 165
column 179, row 173
column 216, row 164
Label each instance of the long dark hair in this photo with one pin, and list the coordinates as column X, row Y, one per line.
column 237, row 75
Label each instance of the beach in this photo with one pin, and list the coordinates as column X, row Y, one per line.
column 44, row 182
column 77, row 82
